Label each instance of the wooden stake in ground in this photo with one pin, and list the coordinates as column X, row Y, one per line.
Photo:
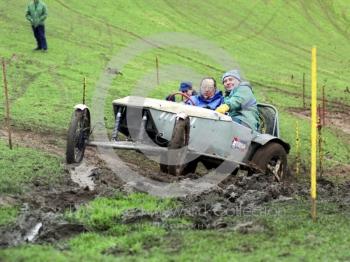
column 84, row 90
column 323, row 106
column 304, row 105
column 297, row 149
column 313, row 132
column 320, row 140
column 157, row 68
column 7, row 116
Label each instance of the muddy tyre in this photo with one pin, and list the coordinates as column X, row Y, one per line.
column 271, row 159
column 176, row 158
column 78, row 135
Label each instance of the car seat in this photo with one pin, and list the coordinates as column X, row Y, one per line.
column 268, row 119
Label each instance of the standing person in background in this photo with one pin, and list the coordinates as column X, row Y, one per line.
column 239, row 102
column 36, row 14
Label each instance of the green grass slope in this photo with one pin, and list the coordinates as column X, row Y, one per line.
column 269, row 40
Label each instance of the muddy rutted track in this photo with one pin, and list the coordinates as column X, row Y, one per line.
column 243, row 197
column 238, row 195
column 42, row 207
column 42, row 220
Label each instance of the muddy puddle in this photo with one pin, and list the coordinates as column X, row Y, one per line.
column 36, row 226
column 84, row 175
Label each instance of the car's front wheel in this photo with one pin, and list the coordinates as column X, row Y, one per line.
column 78, row 134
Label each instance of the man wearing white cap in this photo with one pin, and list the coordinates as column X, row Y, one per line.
column 239, row 101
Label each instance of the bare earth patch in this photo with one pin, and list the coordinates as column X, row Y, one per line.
column 337, row 119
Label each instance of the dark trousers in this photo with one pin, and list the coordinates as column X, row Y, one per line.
column 39, row 34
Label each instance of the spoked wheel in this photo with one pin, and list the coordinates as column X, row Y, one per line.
column 272, row 160
column 78, row 135
column 175, row 161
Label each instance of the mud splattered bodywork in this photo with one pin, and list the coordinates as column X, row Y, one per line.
column 152, row 125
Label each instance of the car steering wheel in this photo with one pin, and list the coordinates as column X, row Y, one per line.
column 183, row 95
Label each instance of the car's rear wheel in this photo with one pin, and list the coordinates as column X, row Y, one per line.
column 78, row 135
column 175, row 162
column 272, row 160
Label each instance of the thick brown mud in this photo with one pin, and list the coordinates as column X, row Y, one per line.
column 245, row 197
column 41, row 218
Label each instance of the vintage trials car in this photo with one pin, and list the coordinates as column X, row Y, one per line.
column 182, row 135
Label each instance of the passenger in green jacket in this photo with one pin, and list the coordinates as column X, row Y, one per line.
column 36, row 14
column 239, row 101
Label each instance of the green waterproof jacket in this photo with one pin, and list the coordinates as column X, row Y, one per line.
column 36, row 13
column 243, row 105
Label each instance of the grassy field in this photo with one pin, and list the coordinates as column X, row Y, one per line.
column 270, row 41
